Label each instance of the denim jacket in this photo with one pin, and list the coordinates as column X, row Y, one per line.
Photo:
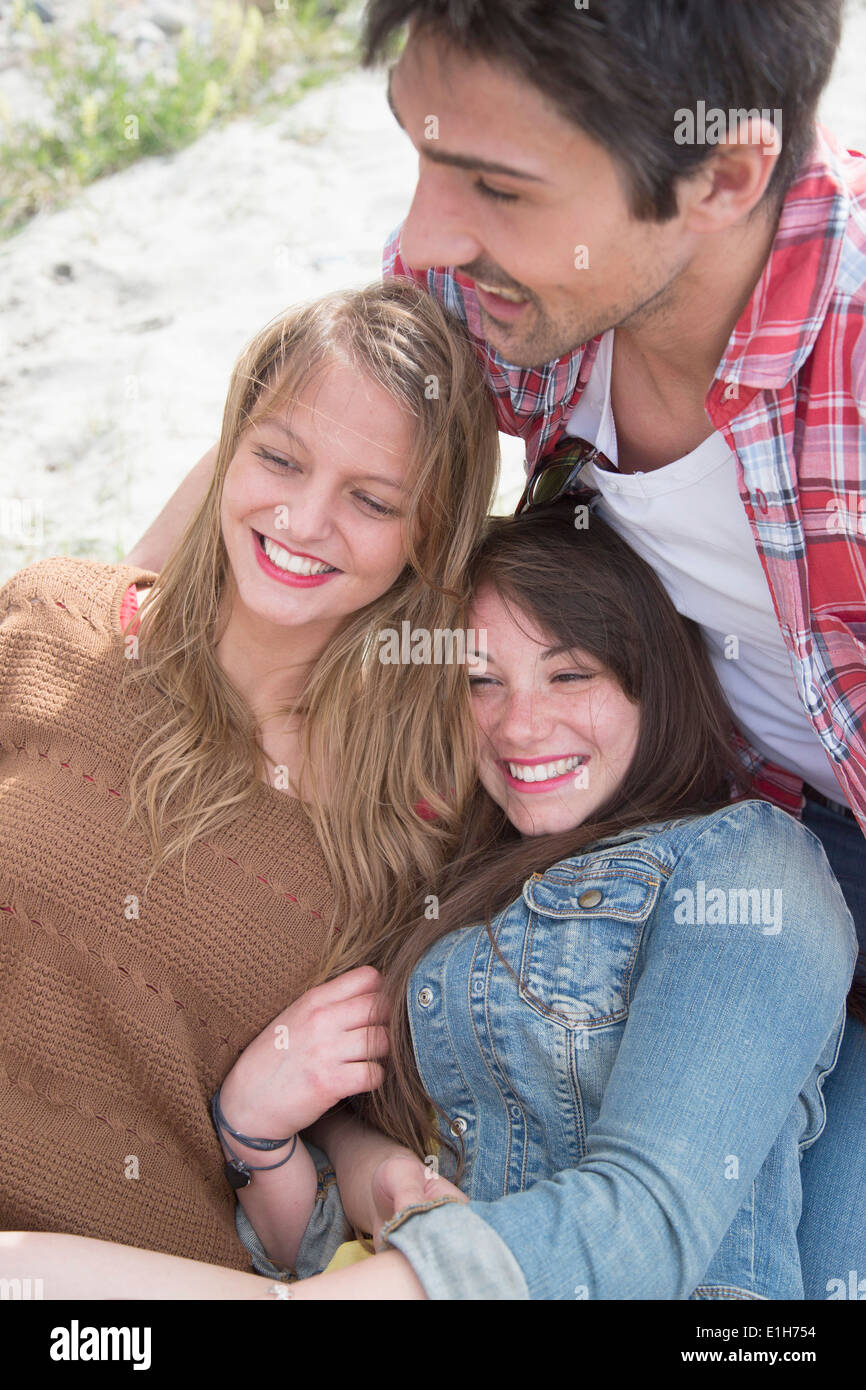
column 634, row 1089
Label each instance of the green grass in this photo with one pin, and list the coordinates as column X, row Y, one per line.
column 103, row 119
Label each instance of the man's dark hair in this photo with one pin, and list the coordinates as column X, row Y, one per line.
column 620, row 69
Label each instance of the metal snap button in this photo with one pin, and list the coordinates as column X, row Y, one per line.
column 591, row 898
column 425, row 997
column 458, row 1126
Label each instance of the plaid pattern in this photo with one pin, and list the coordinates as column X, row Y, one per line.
column 790, row 399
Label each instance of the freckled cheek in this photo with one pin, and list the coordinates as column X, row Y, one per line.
column 609, row 723
column 623, row 737
column 376, row 561
column 485, row 759
column 242, row 494
column 230, row 514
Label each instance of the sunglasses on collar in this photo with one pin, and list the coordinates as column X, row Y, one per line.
column 559, row 473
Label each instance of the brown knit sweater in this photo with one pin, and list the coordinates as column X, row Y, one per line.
column 115, row 1029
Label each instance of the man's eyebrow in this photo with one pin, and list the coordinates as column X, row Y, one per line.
column 463, row 161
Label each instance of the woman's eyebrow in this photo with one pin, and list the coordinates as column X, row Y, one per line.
column 278, row 424
column 547, row 655
column 464, row 161
column 383, row 481
column 562, row 650
column 300, row 443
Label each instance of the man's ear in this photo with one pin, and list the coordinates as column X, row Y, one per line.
column 734, row 179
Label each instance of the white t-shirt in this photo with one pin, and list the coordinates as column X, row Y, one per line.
column 687, row 520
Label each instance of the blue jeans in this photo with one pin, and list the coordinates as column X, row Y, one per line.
column 832, row 1230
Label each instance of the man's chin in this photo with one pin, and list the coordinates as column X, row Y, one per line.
column 527, row 351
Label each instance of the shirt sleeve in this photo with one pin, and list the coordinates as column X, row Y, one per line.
column 328, row 1229
column 393, row 265
column 725, row 1028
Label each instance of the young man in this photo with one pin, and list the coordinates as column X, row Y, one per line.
column 656, row 252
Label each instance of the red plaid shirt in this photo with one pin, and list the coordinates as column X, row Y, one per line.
column 789, row 397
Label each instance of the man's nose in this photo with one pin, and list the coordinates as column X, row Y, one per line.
column 434, row 232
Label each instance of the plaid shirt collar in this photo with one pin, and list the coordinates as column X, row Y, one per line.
column 777, row 330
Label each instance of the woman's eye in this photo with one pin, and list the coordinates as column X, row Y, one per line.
column 488, row 192
column 266, row 456
column 574, row 676
column 378, row 507
column 478, row 681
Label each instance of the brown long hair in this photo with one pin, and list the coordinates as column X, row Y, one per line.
column 392, row 735
column 588, row 590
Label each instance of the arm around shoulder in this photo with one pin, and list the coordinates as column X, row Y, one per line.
column 152, row 549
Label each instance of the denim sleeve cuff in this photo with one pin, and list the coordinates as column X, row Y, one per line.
column 455, row 1253
column 326, row 1230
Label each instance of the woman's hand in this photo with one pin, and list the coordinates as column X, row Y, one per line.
column 311, row 1056
column 402, row 1180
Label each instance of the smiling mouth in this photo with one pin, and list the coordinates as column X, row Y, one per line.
column 513, row 296
column 531, row 773
column 291, row 561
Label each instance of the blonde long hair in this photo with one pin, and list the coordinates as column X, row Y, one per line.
column 391, row 736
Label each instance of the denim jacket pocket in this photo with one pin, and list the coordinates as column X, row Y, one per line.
column 582, row 938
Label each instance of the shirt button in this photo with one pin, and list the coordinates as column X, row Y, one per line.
column 591, row 898
column 425, row 997
column 458, row 1126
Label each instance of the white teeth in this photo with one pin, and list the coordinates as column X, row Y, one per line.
column 542, row 772
column 295, row 564
column 513, row 295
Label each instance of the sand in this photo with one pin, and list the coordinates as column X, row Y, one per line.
column 121, row 316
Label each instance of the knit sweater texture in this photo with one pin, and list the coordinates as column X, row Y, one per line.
column 120, row 1011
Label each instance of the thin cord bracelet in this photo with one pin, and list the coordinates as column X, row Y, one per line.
column 237, row 1171
column 266, row 1145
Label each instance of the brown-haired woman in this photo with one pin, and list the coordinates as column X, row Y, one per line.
column 192, row 807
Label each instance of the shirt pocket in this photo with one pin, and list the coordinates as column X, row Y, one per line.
column 582, row 939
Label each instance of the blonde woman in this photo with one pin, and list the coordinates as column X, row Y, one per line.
column 207, row 774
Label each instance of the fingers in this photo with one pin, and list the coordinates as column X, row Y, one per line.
column 364, row 979
column 365, row 1042
column 363, row 983
column 358, row 1012
column 360, row 1076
